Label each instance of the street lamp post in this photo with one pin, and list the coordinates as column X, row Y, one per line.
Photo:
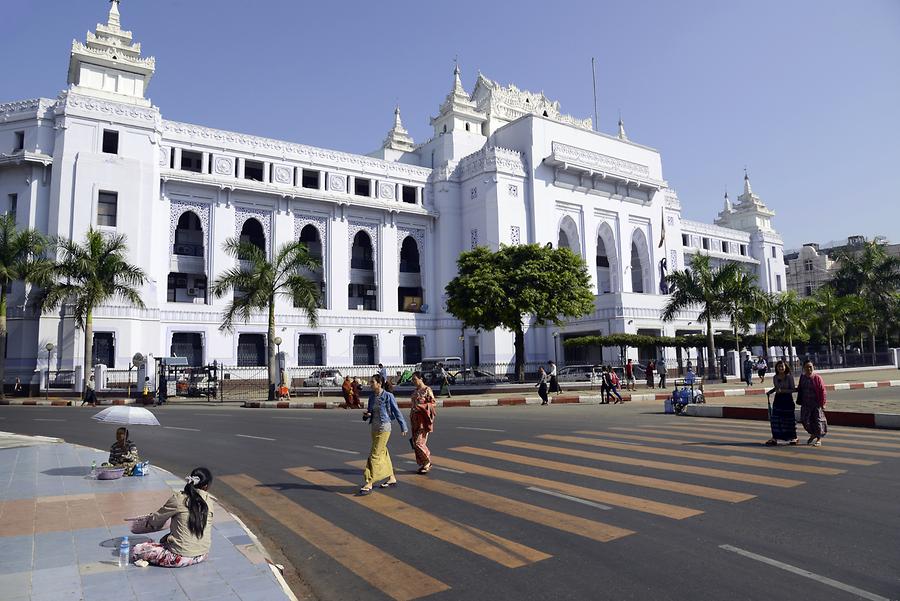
column 462, row 340
column 277, row 340
column 49, row 348
column 556, row 347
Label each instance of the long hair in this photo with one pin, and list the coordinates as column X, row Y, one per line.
column 198, row 510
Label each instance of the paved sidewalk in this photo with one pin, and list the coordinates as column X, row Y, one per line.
column 60, row 532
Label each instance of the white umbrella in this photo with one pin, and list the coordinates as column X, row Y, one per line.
column 126, row 415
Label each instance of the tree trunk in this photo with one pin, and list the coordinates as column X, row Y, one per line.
column 3, row 334
column 844, row 348
column 519, row 342
column 766, row 339
column 873, row 344
column 791, row 352
column 88, row 349
column 830, row 349
column 711, row 349
column 271, row 358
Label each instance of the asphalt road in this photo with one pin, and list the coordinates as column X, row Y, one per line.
column 545, row 523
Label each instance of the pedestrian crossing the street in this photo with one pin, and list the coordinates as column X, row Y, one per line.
column 529, row 493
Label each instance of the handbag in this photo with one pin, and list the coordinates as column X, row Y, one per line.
column 141, row 525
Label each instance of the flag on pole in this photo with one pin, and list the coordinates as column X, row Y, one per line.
column 662, row 233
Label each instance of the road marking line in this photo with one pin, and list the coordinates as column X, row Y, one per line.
column 507, row 553
column 675, row 467
column 214, row 414
column 393, row 577
column 806, row 574
column 47, row 419
column 288, row 417
column 836, row 431
column 437, row 467
column 256, row 437
column 731, row 459
column 675, row 512
column 336, row 450
column 563, row 521
column 553, row 493
column 705, row 492
column 842, row 438
column 700, row 432
column 177, row 428
column 479, row 429
column 792, row 451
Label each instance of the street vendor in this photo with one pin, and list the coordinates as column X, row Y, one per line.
column 123, row 452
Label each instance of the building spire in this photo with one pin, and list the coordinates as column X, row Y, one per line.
column 113, row 21
column 728, row 207
column 398, row 138
column 747, row 189
column 622, row 135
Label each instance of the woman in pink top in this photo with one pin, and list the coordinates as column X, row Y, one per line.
column 811, row 398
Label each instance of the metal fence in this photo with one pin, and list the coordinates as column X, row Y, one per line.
column 61, row 379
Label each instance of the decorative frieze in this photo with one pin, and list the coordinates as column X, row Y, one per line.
column 386, row 190
column 337, row 183
column 598, row 162
column 283, row 175
column 177, row 208
column 514, row 235
column 223, row 165
column 491, row 159
column 106, row 108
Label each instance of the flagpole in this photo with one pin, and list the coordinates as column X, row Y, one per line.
column 594, row 79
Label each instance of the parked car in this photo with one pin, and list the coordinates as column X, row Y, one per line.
column 203, row 386
column 431, row 368
column 324, row 377
column 477, row 376
column 576, row 373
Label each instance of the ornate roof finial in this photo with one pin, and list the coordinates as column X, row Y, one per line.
column 398, row 138
column 113, row 21
column 622, row 135
column 747, row 189
column 728, row 207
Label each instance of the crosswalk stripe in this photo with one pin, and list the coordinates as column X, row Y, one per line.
column 676, row 512
column 550, row 518
column 705, row 492
column 731, row 459
column 704, row 439
column 393, row 577
column 675, row 467
column 700, row 431
column 832, row 432
column 496, row 548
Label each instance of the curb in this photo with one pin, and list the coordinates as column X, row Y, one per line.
column 451, row 402
column 889, row 421
column 60, row 403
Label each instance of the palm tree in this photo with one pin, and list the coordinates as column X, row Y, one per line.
column 21, row 258
column 738, row 297
column 764, row 306
column 791, row 319
column 701, row 286
column 256, row 282
column 87, row 275
column 832, row 314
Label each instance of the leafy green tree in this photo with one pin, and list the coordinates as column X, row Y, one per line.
column 831, row 314
column 87, row 275
column 503, row 288
column 792, row 317
column 703, row 287
column 764, row 305
column 22, row 258
column 257, row 282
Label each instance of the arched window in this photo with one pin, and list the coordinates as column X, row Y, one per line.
column 409, row 291
column 563, row 241
column 409, row 256
column 361, row 254
column 188, row 236
column 362, row 291
column 569, row 236
column 252, row 233
column 637, row 270
column 641, row 270
column 607, row 260
column 309, row 235
column 604, row 284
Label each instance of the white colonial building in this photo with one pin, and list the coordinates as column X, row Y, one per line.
column 504, row 166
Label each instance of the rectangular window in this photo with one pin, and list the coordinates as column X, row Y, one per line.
column 362, row 187
column 13, row 206
column 191, row 161
column 19, row 143
column 743, row 250
column 106, row 208
column 807, row 265
column 724, row 246
column 809, row 291
column 110, row 141
column 774, row 253
column 685, row 240
column 778, row 283
column 409, row 194
column 253, row 170
column 706, row 244
column 310, row 179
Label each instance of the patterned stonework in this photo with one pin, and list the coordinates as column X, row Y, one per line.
column 320, row 223
column 337, row 183
column 417, row 234
column 242, row 214
column 163, row 157
column 514, row 190
column 354, row 227
column 474, row 234
column 386, row 191
column 673, row 261
column 514, row 235
column 179, row 207
column 598, row 162
column 223, row 166
column 473, row 193
column 108, row 108
column 282, row 174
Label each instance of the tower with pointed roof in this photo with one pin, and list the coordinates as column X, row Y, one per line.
column 750, row 214
column 109, row 64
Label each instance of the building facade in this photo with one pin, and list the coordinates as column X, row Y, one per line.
column 504, row 166
column 814, row 265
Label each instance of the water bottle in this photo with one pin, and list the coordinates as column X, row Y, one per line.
column 93, row 469
column 124, row 552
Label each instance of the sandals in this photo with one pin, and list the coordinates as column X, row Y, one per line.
column 425, row 469
column 364, row 491
column 771, row 443
column 388, row 484
column 817, row 443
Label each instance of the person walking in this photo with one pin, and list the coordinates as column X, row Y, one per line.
column 421, row 420
column 555, row 388
column 542, row 385
column 347, row 392
column 382, row 371
column 444, row 376
column 811, row 398
column 613, row 385
column 90, row 393
column 748, row 370
column 762, row 366
column 357, row 394
column 629, row 376
column 649, row 372
column 381, row 410
column 17, row 387
column 781, row 412
column 662, row 370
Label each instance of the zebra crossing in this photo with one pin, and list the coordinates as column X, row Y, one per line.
column 596, row 467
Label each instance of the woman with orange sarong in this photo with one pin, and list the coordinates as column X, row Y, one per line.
column 421, row 418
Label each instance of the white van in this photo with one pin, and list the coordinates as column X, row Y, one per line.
column 430, row 366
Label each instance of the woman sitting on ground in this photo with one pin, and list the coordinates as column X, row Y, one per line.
column 123, row 452
column 190, row 533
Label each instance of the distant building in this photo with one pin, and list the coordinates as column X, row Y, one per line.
column 814, row 265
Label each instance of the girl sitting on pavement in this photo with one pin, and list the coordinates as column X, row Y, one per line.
column 123, row 453
column 188, row 541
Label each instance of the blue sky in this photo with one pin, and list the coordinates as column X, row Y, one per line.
column 805, row 93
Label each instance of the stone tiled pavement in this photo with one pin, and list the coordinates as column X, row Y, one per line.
column 60, row 532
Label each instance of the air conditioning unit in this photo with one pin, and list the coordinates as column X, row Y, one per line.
column 192, row 292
